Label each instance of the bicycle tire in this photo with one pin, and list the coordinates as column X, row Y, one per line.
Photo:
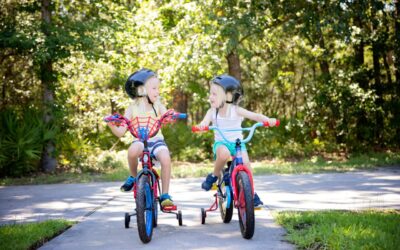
column 144, row 209
column 225, row 203
column 245, row 205
column 155, row 213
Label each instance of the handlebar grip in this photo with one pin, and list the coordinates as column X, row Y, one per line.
column 182, row 116
column 199, row 129
column 266, row 124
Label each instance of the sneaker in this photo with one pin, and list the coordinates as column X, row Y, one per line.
column 257, row 201
column 128, row 185
column 166, row 200
column 207, row 184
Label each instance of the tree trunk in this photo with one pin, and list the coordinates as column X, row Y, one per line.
column 377, row 47
column 323, row 63
column 47, row 78
column 397, row 45
column 360, row 77
column 359, row 56
column 180, row 103
column 396, row 105
column 234, row 65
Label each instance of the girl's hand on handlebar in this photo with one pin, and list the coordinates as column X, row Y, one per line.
column 271, row 122
column 198, row 128
column 113, row 120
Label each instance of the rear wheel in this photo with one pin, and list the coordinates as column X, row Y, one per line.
column 144, row 209
column 245, row 205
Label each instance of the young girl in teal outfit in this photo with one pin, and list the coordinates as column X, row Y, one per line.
column 225, row 94
column 143, row 87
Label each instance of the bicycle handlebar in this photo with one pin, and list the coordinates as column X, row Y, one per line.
column 221, row 131
column 144, row 127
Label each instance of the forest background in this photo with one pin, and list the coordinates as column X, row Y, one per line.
column 329, row 70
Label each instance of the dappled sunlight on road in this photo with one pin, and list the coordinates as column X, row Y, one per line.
column 100, row 210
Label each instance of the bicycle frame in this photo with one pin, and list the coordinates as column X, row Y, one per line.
column 240, row 184
column 237, row 161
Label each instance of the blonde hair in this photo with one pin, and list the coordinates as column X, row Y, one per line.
column 222, row 96
column 140, row 101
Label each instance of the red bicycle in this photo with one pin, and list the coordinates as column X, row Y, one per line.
column 235, row 185
column 147, row 186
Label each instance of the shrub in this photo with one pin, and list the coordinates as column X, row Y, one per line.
column 21, row 141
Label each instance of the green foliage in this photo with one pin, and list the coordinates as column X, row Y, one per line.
column 327, row 70
column 342, row 230
column 185, row 145
column 21, row 140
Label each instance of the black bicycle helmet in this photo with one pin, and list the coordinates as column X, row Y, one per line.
column 230, row 84
column 137, row 79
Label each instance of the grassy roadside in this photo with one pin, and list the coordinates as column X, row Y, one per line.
column 369, row 229
column 31, row 235
column 185, row 169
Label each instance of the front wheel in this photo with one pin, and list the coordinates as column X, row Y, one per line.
column 225, row 202
column 245, row 205
column 144, row 209
column 155, row 212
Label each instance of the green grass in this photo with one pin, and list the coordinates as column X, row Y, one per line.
column 30, row 235
column 316, row 164
column 370, row 229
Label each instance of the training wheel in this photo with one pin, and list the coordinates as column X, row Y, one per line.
column 127, row 220
column 203, row 216
column 179, row 215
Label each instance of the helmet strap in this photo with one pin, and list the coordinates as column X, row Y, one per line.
column 148, row 99
column 216, row 117
column 152, row 105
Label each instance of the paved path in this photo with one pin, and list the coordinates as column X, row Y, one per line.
column 99, row 208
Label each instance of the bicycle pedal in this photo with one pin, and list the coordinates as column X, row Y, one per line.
column 214, row 186
column 258, row 208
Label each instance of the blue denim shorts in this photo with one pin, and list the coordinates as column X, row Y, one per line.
column 154, row 146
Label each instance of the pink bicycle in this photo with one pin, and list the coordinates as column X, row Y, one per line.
column 235, row 186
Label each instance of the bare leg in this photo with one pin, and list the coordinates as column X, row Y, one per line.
column 165, row 160
column 246, row 161
column 223, row 155
column 134, row 151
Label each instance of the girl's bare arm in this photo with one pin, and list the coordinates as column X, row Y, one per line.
column 255, row 116
column 120, row 131
column 207, row 119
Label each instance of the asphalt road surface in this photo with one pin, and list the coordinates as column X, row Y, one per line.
column 99, row 209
